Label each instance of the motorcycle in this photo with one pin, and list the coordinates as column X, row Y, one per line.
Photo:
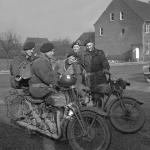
column 60, row 116
column 125, row 113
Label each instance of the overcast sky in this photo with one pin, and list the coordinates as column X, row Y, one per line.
column 53, row 19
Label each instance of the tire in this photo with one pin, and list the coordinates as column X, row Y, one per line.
column 125, row 123
column 99, row 132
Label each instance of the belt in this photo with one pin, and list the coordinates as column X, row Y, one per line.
column 94, row 73
column 41, row 85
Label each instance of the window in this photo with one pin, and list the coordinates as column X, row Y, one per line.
column 147, row 28
column 147, row 47
column 112, row 17
column 121, row 15
column 101, row 32
column 123, row 31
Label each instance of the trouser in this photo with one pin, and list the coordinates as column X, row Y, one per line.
column 94, row 79
column 97, row 99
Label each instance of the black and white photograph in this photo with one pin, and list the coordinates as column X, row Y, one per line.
column 74, row 75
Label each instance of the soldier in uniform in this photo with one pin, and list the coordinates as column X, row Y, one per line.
column 20, row 66
column 96, row 64
column 77, row 50
column 76, row 47
column 20, row 73
column 70, row 66
column 43, row 74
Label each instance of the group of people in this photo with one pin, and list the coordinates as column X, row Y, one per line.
column 40, row 71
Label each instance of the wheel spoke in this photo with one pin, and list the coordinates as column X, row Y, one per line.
column 127, row 116
column 77, row 137
column 93, row 120
column 97, row 137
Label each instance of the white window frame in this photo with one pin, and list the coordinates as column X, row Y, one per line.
column 112, row 17
column 121, row 15
column 101, row 31
column 147, row 28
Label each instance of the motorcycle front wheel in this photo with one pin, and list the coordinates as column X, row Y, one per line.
column 98, row 135
column 128, row 120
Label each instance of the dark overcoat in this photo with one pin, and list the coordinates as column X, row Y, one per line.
column 95, row 62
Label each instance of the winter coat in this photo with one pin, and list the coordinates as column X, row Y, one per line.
column 43, row 75
column 95, row 63
column 20, row 67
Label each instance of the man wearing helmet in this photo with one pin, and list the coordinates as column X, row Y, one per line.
column 96, row 65
column 43, row 74
column 20, row 66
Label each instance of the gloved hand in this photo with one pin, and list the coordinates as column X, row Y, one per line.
column 18, row 78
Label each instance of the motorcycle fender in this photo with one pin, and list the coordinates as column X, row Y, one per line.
column 95, row 110
column 113, row 101
column 137, row 101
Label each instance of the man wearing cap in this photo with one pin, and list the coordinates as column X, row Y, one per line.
column 77, row 50
column 96, row 64
column 43, row 74
column 20, row 66
column 71, row 66
column 75, row 47
column 68, row 66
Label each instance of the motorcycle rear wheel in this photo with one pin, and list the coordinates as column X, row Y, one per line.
column 130, row 121
column 98, row 137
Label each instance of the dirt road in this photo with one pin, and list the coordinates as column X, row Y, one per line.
column 12, row 138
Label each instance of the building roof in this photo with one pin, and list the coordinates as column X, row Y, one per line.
column 87, row 36
column 142, row 9
column 36, row 40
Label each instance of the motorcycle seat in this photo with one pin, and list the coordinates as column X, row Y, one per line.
column 34, row 100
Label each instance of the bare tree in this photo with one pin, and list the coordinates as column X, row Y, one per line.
column 63, row 46
column 9, row 41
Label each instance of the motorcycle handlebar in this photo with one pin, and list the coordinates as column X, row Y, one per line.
column 109, row 79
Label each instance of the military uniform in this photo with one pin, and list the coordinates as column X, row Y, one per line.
column 75, row 69
column 95, row 63
column 43, row 75
column 20, row 67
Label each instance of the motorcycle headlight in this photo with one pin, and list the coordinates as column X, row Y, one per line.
column 70, row 113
